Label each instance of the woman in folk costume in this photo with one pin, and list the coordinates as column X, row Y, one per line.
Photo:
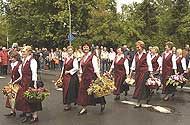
column 70, row 79
column 156, row 60
column 156, row 64
column 88, row 71
column 29, row 78
column 15, row 77
column 143, row 70
column 181, row 69
column 169, row 66
column 120, row 66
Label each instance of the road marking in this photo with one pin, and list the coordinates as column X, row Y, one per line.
column 59, row 89
column 160, row 109
column 1, row 77
column 188, row 88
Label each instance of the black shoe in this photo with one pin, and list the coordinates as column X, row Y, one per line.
column 26, row 119
column 102, row 108
column 147, row 101
column 10, row 114
column 82, row 113
column 138, row 106
column 117, row 98
column 33, row 120
column 22, row 115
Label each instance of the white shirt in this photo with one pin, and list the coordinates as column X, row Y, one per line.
column 148, row 60
column 75, row 65
column 33, row 67
column 94, row 63
column 159, row 60
column 173, row 59
column 126, row 63
column 112, row 56
column 183, row 62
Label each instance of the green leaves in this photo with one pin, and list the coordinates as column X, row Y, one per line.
column 45, row 23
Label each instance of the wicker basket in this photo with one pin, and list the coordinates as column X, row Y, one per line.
column 34, row 100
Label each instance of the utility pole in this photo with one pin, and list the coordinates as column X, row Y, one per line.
column 69, row 5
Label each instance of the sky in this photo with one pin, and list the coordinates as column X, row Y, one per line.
column 121, row 2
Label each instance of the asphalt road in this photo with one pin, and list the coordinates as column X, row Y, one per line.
column 116, row 113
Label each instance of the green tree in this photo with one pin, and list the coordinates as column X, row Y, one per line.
column 180, row 28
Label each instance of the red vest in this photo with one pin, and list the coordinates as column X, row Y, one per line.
column 141, row 65
column 155, row 64
column 167, row 63
column 26, row 74
column 119, row 68
column 87, row 68
column 179, row 65
column 14, row 72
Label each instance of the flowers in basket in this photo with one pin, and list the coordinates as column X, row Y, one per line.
column 153, row 83
column 176, row 80
column 100, row 88
column 59, row 83
column 36, row 95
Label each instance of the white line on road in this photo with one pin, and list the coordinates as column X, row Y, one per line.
column 157, row 108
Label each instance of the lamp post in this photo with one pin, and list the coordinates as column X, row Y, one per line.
column 69, row 19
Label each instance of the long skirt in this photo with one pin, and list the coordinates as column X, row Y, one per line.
column 72, row 92
column 141, row 90
column 120, row 85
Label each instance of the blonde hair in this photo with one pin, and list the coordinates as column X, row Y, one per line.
column 70, row 47
column 169, row 44
column 140, row 43
column 156, row 48
column 27, row 48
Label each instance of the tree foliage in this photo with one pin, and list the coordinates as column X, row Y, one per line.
column 45, row 23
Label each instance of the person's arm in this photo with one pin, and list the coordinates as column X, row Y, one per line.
column 60, row 77
column 133, row 66
column 75, row 67
column 159, row 63
column 174, row 63
column 95, row 66
column 183, row 62
column 149, row 62
column 33, row 67
column 126, row 65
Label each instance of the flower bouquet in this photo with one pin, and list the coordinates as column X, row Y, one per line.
column 100, row 88
column 153, row 83
column 176, row 80
column 59, row 83
column 36, row 95
column 11, row 91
